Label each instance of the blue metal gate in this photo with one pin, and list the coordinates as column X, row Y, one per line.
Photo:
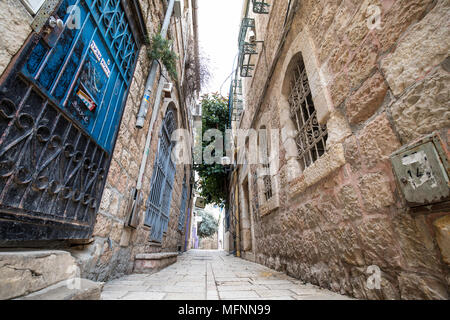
column 158, row 203
column 60, row 109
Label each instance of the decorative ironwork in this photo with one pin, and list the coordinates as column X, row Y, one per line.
column 311, row 136
column 267, row 185
column 60, row 107
column 246, row 49
column 237, row 86
column 158, row 203
column 264, row 154
column 261, row 7
column 51, row 173
column 184, row 195
column 87, row 70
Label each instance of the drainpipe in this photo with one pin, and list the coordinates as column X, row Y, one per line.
column 150, row 130
column 151, row 77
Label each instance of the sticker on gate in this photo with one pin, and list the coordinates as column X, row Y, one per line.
column 100, row 59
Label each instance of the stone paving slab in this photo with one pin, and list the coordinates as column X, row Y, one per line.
column 213, row 275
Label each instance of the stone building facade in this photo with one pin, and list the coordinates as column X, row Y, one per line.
column 345, row 84
column 107, row 246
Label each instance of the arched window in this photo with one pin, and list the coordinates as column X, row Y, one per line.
column 311, row 136
column 158, row 203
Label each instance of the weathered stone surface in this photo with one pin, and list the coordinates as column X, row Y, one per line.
column 150, row 263
column 339, row 89
column 338, row 129
column 398, row 18
column 363, row 62
column 349, row 198
column 377, row 238
column 377, row 141
column 14, row 29
column 416, row 255
column 425, row 45
column 358, row 29
column 418, row 287
column 364, row 102
column 442, row 227
column 424, row 108
column 352, row 155
column 325, row 165
column 376, row 191
column 72, row 289
column 23, row 272
column 103, row 226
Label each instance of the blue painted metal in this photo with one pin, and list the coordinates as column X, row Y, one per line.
column 87, row 72
column 158, row 202
column 183, row 205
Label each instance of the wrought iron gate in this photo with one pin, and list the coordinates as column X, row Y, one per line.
column 60, row 109
column 158, row 203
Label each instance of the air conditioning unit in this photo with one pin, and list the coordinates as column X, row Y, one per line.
column 167, row 89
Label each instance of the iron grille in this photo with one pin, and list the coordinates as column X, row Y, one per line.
column 264, row 153
column 60, row 109
column 311, row 136
column 158, row 203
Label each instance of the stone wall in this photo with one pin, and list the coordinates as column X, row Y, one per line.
column 376, row 90
column 110, row 252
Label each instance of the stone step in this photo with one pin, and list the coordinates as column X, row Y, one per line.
column 73, row 289
column 153, row 262
column 24, row 271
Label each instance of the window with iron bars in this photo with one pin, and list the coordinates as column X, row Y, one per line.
column 264, row 149
column 311, row 136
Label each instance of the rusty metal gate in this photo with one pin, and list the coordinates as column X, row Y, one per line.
column 60, row 109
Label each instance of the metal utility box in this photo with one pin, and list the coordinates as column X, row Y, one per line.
column 422, row 171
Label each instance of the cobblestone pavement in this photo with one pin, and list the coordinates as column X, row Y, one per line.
column 213, row 275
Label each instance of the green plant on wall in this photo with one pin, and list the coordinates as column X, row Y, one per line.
column 160, row 49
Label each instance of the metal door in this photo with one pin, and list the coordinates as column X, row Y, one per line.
column 60, row 109
column 158, row 203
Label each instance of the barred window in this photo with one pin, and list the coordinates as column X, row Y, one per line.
column 311, row 136
column 264, row 148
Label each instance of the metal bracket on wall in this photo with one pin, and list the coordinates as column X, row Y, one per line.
column 261, row 7
column 42, row 16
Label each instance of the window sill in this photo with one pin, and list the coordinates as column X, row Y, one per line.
column 332, row 160
column 270, row 205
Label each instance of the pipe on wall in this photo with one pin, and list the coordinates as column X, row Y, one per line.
column 143, row 109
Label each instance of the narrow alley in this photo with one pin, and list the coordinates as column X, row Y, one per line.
column 214, row 275
column 224, row 150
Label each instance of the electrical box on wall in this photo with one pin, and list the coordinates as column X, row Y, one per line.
column 422, row 171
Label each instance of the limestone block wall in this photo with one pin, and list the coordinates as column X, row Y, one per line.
column 110, row 252
column 376, row 89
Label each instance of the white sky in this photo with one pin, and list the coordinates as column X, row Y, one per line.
column 219, row 22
